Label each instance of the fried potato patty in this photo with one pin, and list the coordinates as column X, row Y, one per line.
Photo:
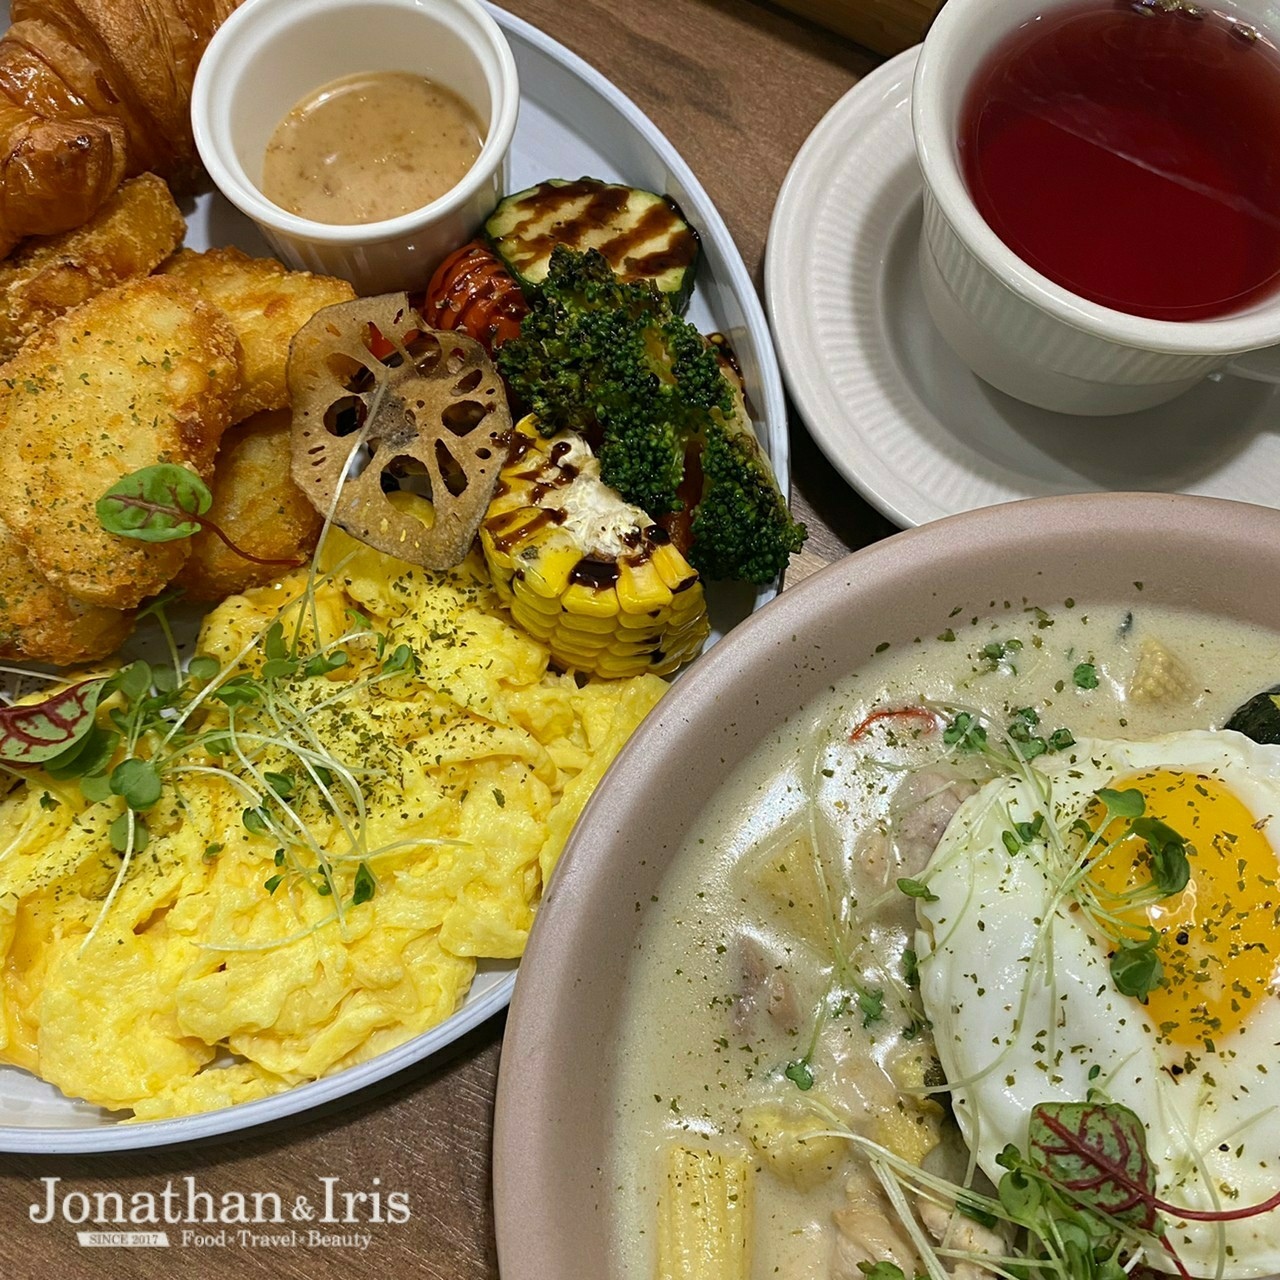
column 47, row 276
column 266, row 304
column 260, row 509
column 142, row 374
column 42, row 623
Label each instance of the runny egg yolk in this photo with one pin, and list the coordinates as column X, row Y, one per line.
column 1220, row 937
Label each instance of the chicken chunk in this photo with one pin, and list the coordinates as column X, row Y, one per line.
column 956, row 1231
column 763, row 987
column 923, row 806
column 142, row 374
column 867, row 1232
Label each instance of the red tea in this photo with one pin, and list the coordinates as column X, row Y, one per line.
column 1131, row 153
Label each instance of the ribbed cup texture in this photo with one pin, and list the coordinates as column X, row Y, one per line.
column 1030, row 334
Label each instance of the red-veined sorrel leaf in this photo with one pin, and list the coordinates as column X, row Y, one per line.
column 36, row 732
column 1098, row 1152
column 162, row 504
column 157, row 504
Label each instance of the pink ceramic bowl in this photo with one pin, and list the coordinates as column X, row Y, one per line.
column 554, row 1111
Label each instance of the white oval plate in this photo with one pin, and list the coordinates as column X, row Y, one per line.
column 898, row 414
column 573, row 122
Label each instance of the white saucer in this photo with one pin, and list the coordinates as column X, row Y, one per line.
column 896, row 412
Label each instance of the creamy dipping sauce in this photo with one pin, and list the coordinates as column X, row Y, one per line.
column 369, row 147
column 769, row 992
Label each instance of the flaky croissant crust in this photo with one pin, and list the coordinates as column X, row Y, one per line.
column 91, row 92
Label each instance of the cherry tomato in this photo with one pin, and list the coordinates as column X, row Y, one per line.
column 379, row 347
column 474, row 293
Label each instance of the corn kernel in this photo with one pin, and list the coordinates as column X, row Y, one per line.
column 641, row 588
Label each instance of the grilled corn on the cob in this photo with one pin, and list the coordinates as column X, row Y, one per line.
column 585, row 572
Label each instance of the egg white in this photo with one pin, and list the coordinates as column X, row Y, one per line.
column 1023, row 1006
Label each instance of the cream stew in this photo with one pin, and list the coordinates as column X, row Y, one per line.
column 773, row 992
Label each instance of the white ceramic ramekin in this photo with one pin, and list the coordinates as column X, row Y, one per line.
column 271, row 53
column 1011, row 325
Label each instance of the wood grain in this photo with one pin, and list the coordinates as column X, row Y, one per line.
column 426, row 1134
column 737, row 86
column 886, row 26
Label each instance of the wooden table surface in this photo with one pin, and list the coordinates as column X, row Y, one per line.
column 736, row 86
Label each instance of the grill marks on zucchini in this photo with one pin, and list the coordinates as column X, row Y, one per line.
column 642, row 235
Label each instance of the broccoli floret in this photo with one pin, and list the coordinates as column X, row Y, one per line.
column 741, row 526
column 610, row 360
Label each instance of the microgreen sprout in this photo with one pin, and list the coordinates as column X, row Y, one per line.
column 364, row 885
column 137, row 782
column 1021, row 834
column 881, row 1270
column 800, row 1074
column 1135, row 968
column 1079, row 1202
column 128, row 738
column 1135, row 965
column 916, row 889
column 38, row 733
column 965, row 732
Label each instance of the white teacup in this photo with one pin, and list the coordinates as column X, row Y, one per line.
column 1011, row 325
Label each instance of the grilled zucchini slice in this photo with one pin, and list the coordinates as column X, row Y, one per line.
column 642, row 235
column 1259, row 718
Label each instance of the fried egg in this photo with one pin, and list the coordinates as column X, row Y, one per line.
column 1016, row 979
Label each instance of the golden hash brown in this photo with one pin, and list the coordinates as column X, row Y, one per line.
column 258, row 506
column 48, row 275
column 266, row 304
column 142, row 374
column 41, row 623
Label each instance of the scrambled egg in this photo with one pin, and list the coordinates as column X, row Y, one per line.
column 318, row 887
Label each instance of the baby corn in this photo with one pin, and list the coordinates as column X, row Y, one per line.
column 705, row 1215
column 585, row 572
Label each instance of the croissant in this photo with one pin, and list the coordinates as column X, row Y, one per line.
column 92, row 92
